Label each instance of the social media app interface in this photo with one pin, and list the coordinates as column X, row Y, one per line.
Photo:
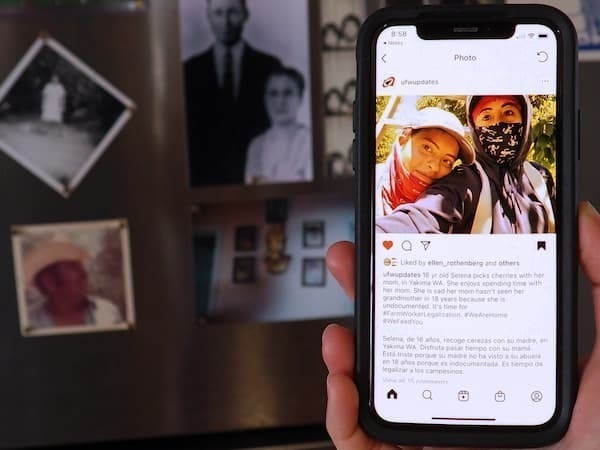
column 465, row 270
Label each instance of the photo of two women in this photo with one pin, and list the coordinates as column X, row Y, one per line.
column 465, row 164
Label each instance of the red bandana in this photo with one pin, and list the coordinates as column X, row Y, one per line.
column 401, row 186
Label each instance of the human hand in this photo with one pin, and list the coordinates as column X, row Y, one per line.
column 338, row 354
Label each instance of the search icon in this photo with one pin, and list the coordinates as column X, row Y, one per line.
column 427, row 394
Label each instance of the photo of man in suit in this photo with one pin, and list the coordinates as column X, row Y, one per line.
column 224, row 96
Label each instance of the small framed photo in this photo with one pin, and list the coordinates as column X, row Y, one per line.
column 313, row 272
column 73, row 277
column 245, row 238
column 313, row 234
column 244, row 269
column 58, row 115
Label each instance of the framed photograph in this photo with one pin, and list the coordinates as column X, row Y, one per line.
column 245, row 238
column 313, row 234
column 247, row 91
column 73, row 277
column 58, row 116
column 313, row 272
column 244, row 269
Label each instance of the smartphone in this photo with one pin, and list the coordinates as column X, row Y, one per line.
column 466, row 126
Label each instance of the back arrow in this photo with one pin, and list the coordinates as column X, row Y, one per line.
column 383, row 58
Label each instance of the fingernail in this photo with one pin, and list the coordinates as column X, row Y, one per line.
column 588, row 209
column 328, row 327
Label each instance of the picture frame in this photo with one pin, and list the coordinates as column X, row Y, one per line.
column 246, row 238
column 267, row 48
column 58, row 115
column 313, row 234
column 73, row 277
column 314, row 272
column 244, row 270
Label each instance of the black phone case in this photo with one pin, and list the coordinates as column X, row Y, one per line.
column 568, row 145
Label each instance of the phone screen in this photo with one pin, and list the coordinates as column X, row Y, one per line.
column 464, row 245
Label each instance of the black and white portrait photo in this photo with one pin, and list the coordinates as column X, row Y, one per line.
column 57, row 115
column 73, row 277
column 247, row 88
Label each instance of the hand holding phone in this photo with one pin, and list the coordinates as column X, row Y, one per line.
column 339, row 353
column 466, row 122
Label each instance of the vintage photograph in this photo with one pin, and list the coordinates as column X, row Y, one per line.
column 313, row 234
column 73, row 277
column 313, row 272
column 465, row 164
column 245, row 238
column 244, row 269
column 247, row 91
column 57, row 115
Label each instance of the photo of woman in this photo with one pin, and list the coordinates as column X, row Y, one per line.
column 505, row 190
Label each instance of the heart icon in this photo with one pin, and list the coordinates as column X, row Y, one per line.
column 388, row 244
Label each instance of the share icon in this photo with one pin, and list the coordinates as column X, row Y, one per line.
column 425, row 244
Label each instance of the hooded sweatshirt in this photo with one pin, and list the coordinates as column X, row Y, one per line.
column 450, row 204
column 397, row 185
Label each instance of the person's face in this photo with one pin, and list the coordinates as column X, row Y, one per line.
column 66, row 284
column 227, row 18
column 497, row 111
column 282, row 100
column 432, row 155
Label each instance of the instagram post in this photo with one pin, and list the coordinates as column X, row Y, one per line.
column 465, row 250
column 478, row 164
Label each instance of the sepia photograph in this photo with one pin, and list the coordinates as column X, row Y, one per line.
column 247, row 91
column 313, row 272
column 73, row 277
column 58, row 116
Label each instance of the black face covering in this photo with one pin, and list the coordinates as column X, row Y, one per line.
column 501, row 142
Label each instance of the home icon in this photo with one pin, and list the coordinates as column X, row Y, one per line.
column 392, row 394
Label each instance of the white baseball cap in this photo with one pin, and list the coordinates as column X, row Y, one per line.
column 432, row 117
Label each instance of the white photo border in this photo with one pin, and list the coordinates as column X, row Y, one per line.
column 129, row 107
column 120, row 224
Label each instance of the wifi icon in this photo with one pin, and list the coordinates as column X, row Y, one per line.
column 531, row 35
